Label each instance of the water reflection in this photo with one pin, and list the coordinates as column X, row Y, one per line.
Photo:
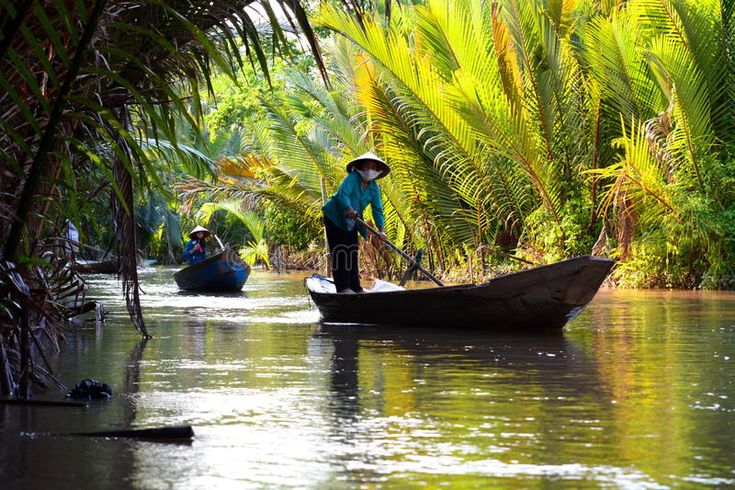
column 208, row 295
column 398, row 397
column 343, row 379
column 35, row 453
column 131, row 383
column 637, row 392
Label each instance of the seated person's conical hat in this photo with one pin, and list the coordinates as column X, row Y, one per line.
column 197, row 230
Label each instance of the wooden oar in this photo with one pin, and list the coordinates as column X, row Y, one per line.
column 400, row 252
column 221, row 247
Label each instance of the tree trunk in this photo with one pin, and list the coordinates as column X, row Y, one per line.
column 7, row 385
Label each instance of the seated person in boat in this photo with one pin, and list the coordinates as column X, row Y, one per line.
column 356, row 191
column 196, row 249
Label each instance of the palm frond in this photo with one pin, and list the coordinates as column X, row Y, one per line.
column 252, row 221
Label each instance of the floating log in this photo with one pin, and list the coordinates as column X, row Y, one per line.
column 181, row 432
column 43, row 403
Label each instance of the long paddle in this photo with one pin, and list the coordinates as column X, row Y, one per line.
column 399, row 252
column 222, row 247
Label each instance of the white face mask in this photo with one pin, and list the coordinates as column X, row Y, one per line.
column 369, row 175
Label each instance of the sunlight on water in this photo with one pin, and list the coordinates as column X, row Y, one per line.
column 637, row 392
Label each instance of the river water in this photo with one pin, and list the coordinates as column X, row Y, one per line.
column 639, row 391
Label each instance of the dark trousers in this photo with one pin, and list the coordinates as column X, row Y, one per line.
column 343, row 251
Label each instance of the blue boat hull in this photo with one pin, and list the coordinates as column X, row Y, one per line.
column 224, row 271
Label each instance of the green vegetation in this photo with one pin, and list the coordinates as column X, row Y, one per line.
column 542, row 129
column 545, row 129
column 100, row 116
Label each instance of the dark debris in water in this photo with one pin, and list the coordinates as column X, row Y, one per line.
column 90, row 389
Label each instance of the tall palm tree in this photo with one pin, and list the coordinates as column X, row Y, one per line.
column 672, row 179
column 494, row 97
column 543, row 125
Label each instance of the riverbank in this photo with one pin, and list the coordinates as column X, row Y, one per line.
column 624, row 275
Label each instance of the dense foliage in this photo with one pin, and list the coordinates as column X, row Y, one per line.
column 539, row 129
column 543, row 128
column 92, row 98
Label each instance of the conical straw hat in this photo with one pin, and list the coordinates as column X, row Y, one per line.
column 382, row 166
column 197, row 230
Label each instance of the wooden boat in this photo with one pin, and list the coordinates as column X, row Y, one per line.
column 543, row 298
column 109, row 266
column 224, row 271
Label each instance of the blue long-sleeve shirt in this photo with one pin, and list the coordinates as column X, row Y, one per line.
column 351, row 195
column 193, row 255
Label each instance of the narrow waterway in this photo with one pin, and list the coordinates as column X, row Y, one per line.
column 639, row 391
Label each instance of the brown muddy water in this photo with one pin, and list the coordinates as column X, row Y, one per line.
column 638, row 392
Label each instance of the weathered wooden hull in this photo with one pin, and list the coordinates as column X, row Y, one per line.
column 224, row 271
column 97, row 267
column 544, row 298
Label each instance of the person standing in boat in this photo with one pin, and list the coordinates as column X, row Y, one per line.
column 196, row 249
column 356, row 191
